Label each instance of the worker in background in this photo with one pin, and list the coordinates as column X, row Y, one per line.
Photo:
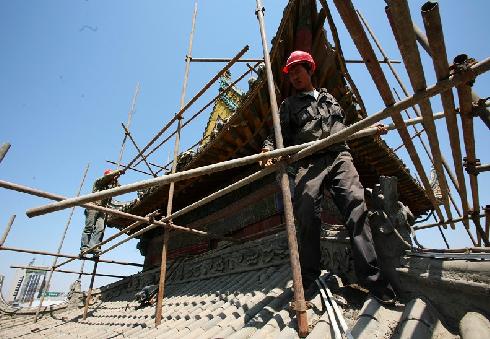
column 95, row 220
column 309, row 115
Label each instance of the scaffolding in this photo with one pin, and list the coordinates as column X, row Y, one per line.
column 459, row 76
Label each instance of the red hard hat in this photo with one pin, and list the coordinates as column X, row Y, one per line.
column 107, row 171
column 298, row 57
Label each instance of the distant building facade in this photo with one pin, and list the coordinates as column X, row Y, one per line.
column 26, row 286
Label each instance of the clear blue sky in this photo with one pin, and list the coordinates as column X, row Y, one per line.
column 69, row 70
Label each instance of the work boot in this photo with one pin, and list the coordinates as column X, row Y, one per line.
column 80, row 255
column 384, row 295
column 96, row 251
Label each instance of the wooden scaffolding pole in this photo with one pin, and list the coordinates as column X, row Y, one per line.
column 401, row 24
column 126, row 132
column 299, row 297
column 301, row 150
column 3, row 150
column 7, row 230
column 462, row 62
column 61, row 255
column 55, row 260
column 354, row 26
column 39, row 268
column 130, row 116
column 188, row 104
column 417, row 112
column 166, row 231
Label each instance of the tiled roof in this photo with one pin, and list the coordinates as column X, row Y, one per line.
column 240, row 291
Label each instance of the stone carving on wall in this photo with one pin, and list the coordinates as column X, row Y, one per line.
column 269, row 251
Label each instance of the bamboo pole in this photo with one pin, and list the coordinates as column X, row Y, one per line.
column 192, row 59
column 130, row 168
column 424, row 42
column 351, row 61
column 130, row 116
column 487, row 222
column 354, row 26
column 89, row 292
column 7, row 230
column 340, row 56
column 195, row 115
column 197, row 96
column 402, row 27
column 417, row 112
column 245, row 181
column 126, row 131
column 39, row 268
column 433, row 27
column 123, row 231
column 456, row 250
column 482, row 168
column 202, row 202
column 306, row 150
column 166, row 232
column 422, row 227
column 451, row 198
column 60, row 255
column 466, row 108
column 32, row 191
column 299, row 298
column 55, row 259
column 3, row 150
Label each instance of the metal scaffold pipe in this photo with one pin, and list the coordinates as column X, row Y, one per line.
column 309, row 149
column 299, row 298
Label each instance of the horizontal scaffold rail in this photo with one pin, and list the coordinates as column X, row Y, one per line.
column 40, row 268
column 304, row 150
column 60, row 255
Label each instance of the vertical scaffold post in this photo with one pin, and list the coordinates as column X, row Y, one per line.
column 3, row 150
column 89, row 293
column 7, row 230
column 55, row 260
column 466, row 108
column 299, row 298
column 166, row 232
column 130, row 116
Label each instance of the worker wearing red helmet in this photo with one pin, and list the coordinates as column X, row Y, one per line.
column 95, row 220
column 309, row 115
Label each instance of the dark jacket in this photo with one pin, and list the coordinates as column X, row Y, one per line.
column 304, row 119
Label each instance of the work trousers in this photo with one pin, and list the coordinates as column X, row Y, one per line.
column 93, row 230
column 335, row 172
